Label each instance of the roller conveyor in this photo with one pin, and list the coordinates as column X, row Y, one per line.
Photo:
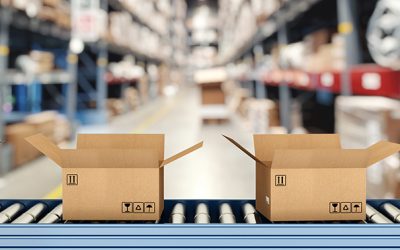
column 208, row 223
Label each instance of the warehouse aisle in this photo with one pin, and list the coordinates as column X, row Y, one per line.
column 218, row 170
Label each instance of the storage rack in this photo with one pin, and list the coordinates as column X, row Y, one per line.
column 82, row 79
column 291, row 23
column 351, row 234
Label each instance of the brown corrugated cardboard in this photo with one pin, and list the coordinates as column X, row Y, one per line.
column 309, row 177
column 112, row 177
column 23, row 152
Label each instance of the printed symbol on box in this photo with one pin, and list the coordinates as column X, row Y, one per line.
column 334, row 207
column 149, row 207
column 280, row 180
column 138, row 207
column 126, row 207
column 72, row 179
column 345, row 207
column 356, row 207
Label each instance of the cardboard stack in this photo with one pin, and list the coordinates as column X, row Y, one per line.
column 49, row 123
column 310, row 177
column 44, row 61
column 112, row 177
column 379, row 118
column 210, row 82
column 261, row 115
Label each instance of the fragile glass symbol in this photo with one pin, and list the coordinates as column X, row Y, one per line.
column 334, row 205
column 127, row 205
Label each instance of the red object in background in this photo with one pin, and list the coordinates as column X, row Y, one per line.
column 371, row 79
column 329, row 81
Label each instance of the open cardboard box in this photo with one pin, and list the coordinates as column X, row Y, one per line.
column 309, row 177
column 111, row 176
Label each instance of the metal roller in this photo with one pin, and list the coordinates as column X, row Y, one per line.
column 178, row 214
column 249, row 213
column 30, row 215
column 202, row 216
column 392, row 211
column 226, row 214
column 53, row 216
column 8, row 214
column 374, row 216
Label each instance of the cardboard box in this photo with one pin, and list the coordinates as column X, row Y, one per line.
column 212, row 93
column 111, row 177
column 23, row 151
column 310, row 178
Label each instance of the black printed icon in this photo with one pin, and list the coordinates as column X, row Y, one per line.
column 72, row 179
column 280, row 180
column 356, row 207
column 126, row 207
column 149, row 207
column 345, row 207
column 334, row 207
column 138, row 207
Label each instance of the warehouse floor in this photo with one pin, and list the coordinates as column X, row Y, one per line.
column 218, row 170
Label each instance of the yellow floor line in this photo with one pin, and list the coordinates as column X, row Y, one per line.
column 140, row 128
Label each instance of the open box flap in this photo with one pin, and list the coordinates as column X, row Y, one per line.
column 46, row 146
column 319, row 158
column 380, row 151
column 181, row 154
column 265, row 145
column 109, row 158
column 244, row 150
column 122, row 141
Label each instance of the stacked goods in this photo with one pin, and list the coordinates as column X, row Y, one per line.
column 210, row 82
column 261, row 114
column 378, row 117
column 324, row 52
column 49, row 123
column 239, row 21
column 36, row 62
column 44, row 60
column 125, row 32
column 15, row 136
column 262, row 9
column 115, row 107
column 145, row 11
column 131, row 98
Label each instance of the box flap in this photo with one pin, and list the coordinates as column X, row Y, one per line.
column 319, row 158
column 265, row 145
column 380, row 151
column 244, row 150
column 110, row 158
column 181, row 154
column 123, row 141
column 46, row 146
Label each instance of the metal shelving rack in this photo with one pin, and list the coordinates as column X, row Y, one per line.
column 285, row 26
column 79, row 84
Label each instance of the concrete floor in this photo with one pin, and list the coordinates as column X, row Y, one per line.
column 218, row 170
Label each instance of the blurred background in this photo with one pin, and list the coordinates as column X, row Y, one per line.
column 194, row 70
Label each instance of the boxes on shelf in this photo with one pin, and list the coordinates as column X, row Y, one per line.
column 379, row 118
column 15, row 136
column 311, row 178
column 43, row 122
column 43, row 60
column 50, row 123
column 122, row 172
column 115, row 107
column 261, row 114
